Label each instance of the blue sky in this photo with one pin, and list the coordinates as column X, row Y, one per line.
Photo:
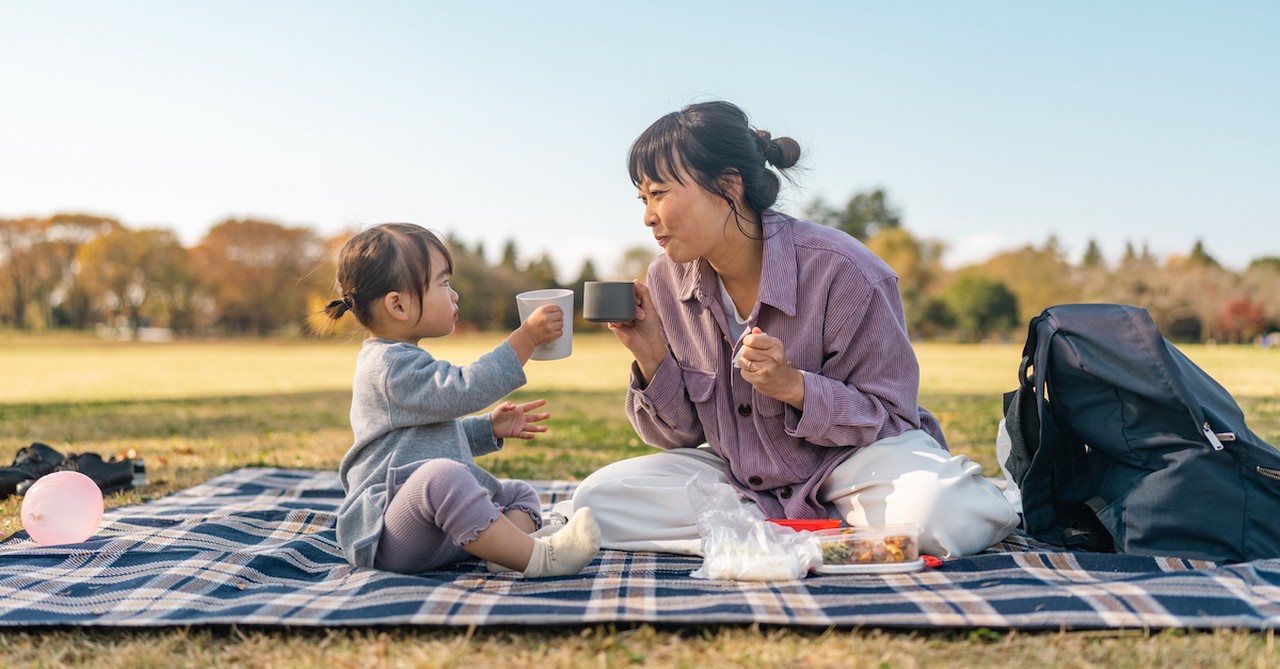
column 991, row 125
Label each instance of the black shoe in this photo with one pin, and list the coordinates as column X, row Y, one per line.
column 111, row 475
column 29, row 464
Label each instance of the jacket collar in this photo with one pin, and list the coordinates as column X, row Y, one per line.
column 778, row 274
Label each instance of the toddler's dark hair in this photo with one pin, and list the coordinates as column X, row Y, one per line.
column 706, row 139
column 381, row 259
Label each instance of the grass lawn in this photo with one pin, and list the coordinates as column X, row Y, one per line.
column 197, row 409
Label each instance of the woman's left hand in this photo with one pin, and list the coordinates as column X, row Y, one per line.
column 514, row 421
column 763, row 363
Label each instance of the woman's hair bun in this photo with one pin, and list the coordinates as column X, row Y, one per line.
column 782, row 152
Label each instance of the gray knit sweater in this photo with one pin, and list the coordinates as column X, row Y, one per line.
column 407, row 408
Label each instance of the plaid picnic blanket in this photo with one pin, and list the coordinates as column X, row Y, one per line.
column 256, row 547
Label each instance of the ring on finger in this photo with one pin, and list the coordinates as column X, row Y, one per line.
column 751, row 366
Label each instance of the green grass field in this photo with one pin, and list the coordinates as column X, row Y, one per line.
column 197, row 409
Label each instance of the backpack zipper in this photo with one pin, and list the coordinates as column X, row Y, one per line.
column 1216, row 438
column 1269, row 473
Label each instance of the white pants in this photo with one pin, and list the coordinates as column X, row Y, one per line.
column 642, row 503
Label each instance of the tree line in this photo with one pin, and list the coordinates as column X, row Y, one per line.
column 249, row 277
column 245, row 277
column 1191, row 297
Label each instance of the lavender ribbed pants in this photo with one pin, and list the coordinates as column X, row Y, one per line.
column 439, row 509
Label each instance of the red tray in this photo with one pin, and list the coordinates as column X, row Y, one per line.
column 807, row 525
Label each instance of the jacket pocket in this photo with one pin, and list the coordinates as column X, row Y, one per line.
column 701, row 387
column 698, row 384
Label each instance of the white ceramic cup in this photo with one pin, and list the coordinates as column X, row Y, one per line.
column 529, row 301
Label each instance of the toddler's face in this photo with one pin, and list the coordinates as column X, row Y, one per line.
column 439, row 302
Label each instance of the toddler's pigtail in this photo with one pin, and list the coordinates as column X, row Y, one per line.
column 335, row 309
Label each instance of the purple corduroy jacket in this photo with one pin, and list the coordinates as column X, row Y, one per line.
column 835, row 305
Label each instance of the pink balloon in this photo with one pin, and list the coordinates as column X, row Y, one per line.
column 62, row 508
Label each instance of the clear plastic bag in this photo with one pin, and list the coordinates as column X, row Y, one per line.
column 1004, row 445
column 737, row 546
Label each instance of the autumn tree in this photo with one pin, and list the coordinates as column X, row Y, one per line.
column 1240, row 320
column 320, row 285
column 1261, row 283
column 1140, row 280
column 253, row 270
column 19, row 265
column 918, row 264
column 37, row 269
column 1197, row 288
column 1038, row 277
column 180, row 301
column 139, row 275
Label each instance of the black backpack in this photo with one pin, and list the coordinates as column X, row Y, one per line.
column 1119, row 442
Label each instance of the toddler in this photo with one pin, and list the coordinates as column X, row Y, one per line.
column 415, row 499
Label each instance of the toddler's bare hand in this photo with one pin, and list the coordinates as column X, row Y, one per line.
column 545, row 324
column 518, row 420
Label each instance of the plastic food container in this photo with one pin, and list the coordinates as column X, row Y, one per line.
column 807, row 525
column 870, row 550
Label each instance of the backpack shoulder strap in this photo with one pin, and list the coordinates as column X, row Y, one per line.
column 1028, row 353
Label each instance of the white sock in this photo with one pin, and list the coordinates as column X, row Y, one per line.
column 547, row 530
column 567, row 550
column 544, row 531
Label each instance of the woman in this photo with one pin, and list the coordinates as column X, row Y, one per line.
column 773, row 353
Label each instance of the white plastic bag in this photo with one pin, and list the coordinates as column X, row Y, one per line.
column 737, row 546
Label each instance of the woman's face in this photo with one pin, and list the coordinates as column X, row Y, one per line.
column 688, row 221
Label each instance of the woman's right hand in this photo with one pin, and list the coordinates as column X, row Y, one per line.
column 643, row 336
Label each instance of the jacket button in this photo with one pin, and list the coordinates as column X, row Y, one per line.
column 786, row 493
column 755, row 480
column 744, row 409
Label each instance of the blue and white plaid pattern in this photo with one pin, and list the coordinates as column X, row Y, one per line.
column 256, row 547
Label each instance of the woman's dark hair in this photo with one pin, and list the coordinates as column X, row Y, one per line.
column 708, row 140
column 385, row 258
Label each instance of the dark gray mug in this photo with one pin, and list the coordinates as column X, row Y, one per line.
column 609, row 301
